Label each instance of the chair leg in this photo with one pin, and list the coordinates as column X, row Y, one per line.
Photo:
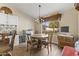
column 30, row 50
column 48, row 49
column 27, row 47
column 9, row 54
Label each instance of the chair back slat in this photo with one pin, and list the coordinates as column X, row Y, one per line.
column 12, row 40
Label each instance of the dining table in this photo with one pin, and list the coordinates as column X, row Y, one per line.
column 39, row 37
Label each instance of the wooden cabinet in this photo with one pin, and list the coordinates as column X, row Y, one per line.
column 65, row 41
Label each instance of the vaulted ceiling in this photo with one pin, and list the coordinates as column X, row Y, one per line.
column 32, row 9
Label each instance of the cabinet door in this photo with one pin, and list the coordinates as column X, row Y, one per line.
column 16, row 42
column 12, row 20
column 3, row 18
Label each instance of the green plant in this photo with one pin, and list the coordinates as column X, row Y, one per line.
column 53, row 25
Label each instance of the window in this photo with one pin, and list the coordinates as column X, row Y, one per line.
column 51, row 25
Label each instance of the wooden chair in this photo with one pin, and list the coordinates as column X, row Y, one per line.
column 7, row 49
column 5, row 39
column 45, row 43
column 50, row 36
column 31, row 43
column 12, row 41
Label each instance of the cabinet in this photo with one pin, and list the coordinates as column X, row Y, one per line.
column 16, row 41
column 3, row 18
column 12, row 20
column 8, row 19
column 64, row 40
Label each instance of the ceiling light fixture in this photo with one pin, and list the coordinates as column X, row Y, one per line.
column 41, row 20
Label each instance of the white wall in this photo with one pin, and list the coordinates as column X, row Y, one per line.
column 24, row 21
column 70, row 18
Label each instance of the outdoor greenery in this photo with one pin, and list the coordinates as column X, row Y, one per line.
column 53, row 25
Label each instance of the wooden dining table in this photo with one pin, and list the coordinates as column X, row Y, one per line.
column 39, row 37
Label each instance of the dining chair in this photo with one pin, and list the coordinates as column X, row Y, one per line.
column 47, row 42
column 31, row 43
column 50, row 36
column 5, row 39
column 7, row 49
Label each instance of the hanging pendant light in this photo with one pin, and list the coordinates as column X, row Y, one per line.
column 40, row 20
column 39, row 12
